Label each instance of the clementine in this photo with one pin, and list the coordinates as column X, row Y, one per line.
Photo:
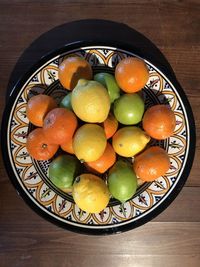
column 37, row 108
column 102, row 164
column 131, row 74
column 67, row 146
column 60, row 125
column 151, row 164
column 110, row 125
column 159, row 122
column 38, row 147
column 72, row 69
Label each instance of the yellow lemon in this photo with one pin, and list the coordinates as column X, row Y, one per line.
column 90, row 193
column 89, row 142
column 129, row 141
column 90, row 101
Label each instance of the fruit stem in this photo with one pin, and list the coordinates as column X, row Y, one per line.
column 77, row 179
column 123, row 209
column 44, row 146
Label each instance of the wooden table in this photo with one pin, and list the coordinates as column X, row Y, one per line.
column 171, row 239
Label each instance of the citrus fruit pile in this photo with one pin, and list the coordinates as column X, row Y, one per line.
column 98, row 136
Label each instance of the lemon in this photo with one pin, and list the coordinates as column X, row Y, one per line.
column 129, row 141
column 90, row 193
column 90, row 101
column 89, row 142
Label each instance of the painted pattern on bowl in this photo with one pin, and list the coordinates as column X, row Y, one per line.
column 32, row 175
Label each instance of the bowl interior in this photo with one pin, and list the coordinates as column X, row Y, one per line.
column 32, row 175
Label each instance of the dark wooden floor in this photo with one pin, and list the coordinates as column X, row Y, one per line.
column 173, row 238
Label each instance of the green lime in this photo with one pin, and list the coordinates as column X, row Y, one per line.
column 66, row 102
column 63, row 170
column 108, row 80
column 129, row 109
column 122, row 181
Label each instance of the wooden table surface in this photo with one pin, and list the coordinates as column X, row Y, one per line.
column 172, row 238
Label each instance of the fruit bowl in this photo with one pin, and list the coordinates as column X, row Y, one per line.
column 30, row 177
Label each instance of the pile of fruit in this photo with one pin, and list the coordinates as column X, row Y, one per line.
column 97, row 138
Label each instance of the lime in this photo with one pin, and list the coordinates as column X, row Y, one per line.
column 122, row 181
column 66, row 101
column 63, row 170
column 129, row 109
column 108, row 80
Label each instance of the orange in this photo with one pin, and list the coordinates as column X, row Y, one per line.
column 72, row 69
column 60, row 125
column 102, row 164
column 38, row 147
column 67, row 146
column 151, row 164
column 131, row 74
column 159, row 122
column 110, row 125
column 37, row 108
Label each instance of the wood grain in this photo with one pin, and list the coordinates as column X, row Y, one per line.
column 145, row 245
column 171, row 239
